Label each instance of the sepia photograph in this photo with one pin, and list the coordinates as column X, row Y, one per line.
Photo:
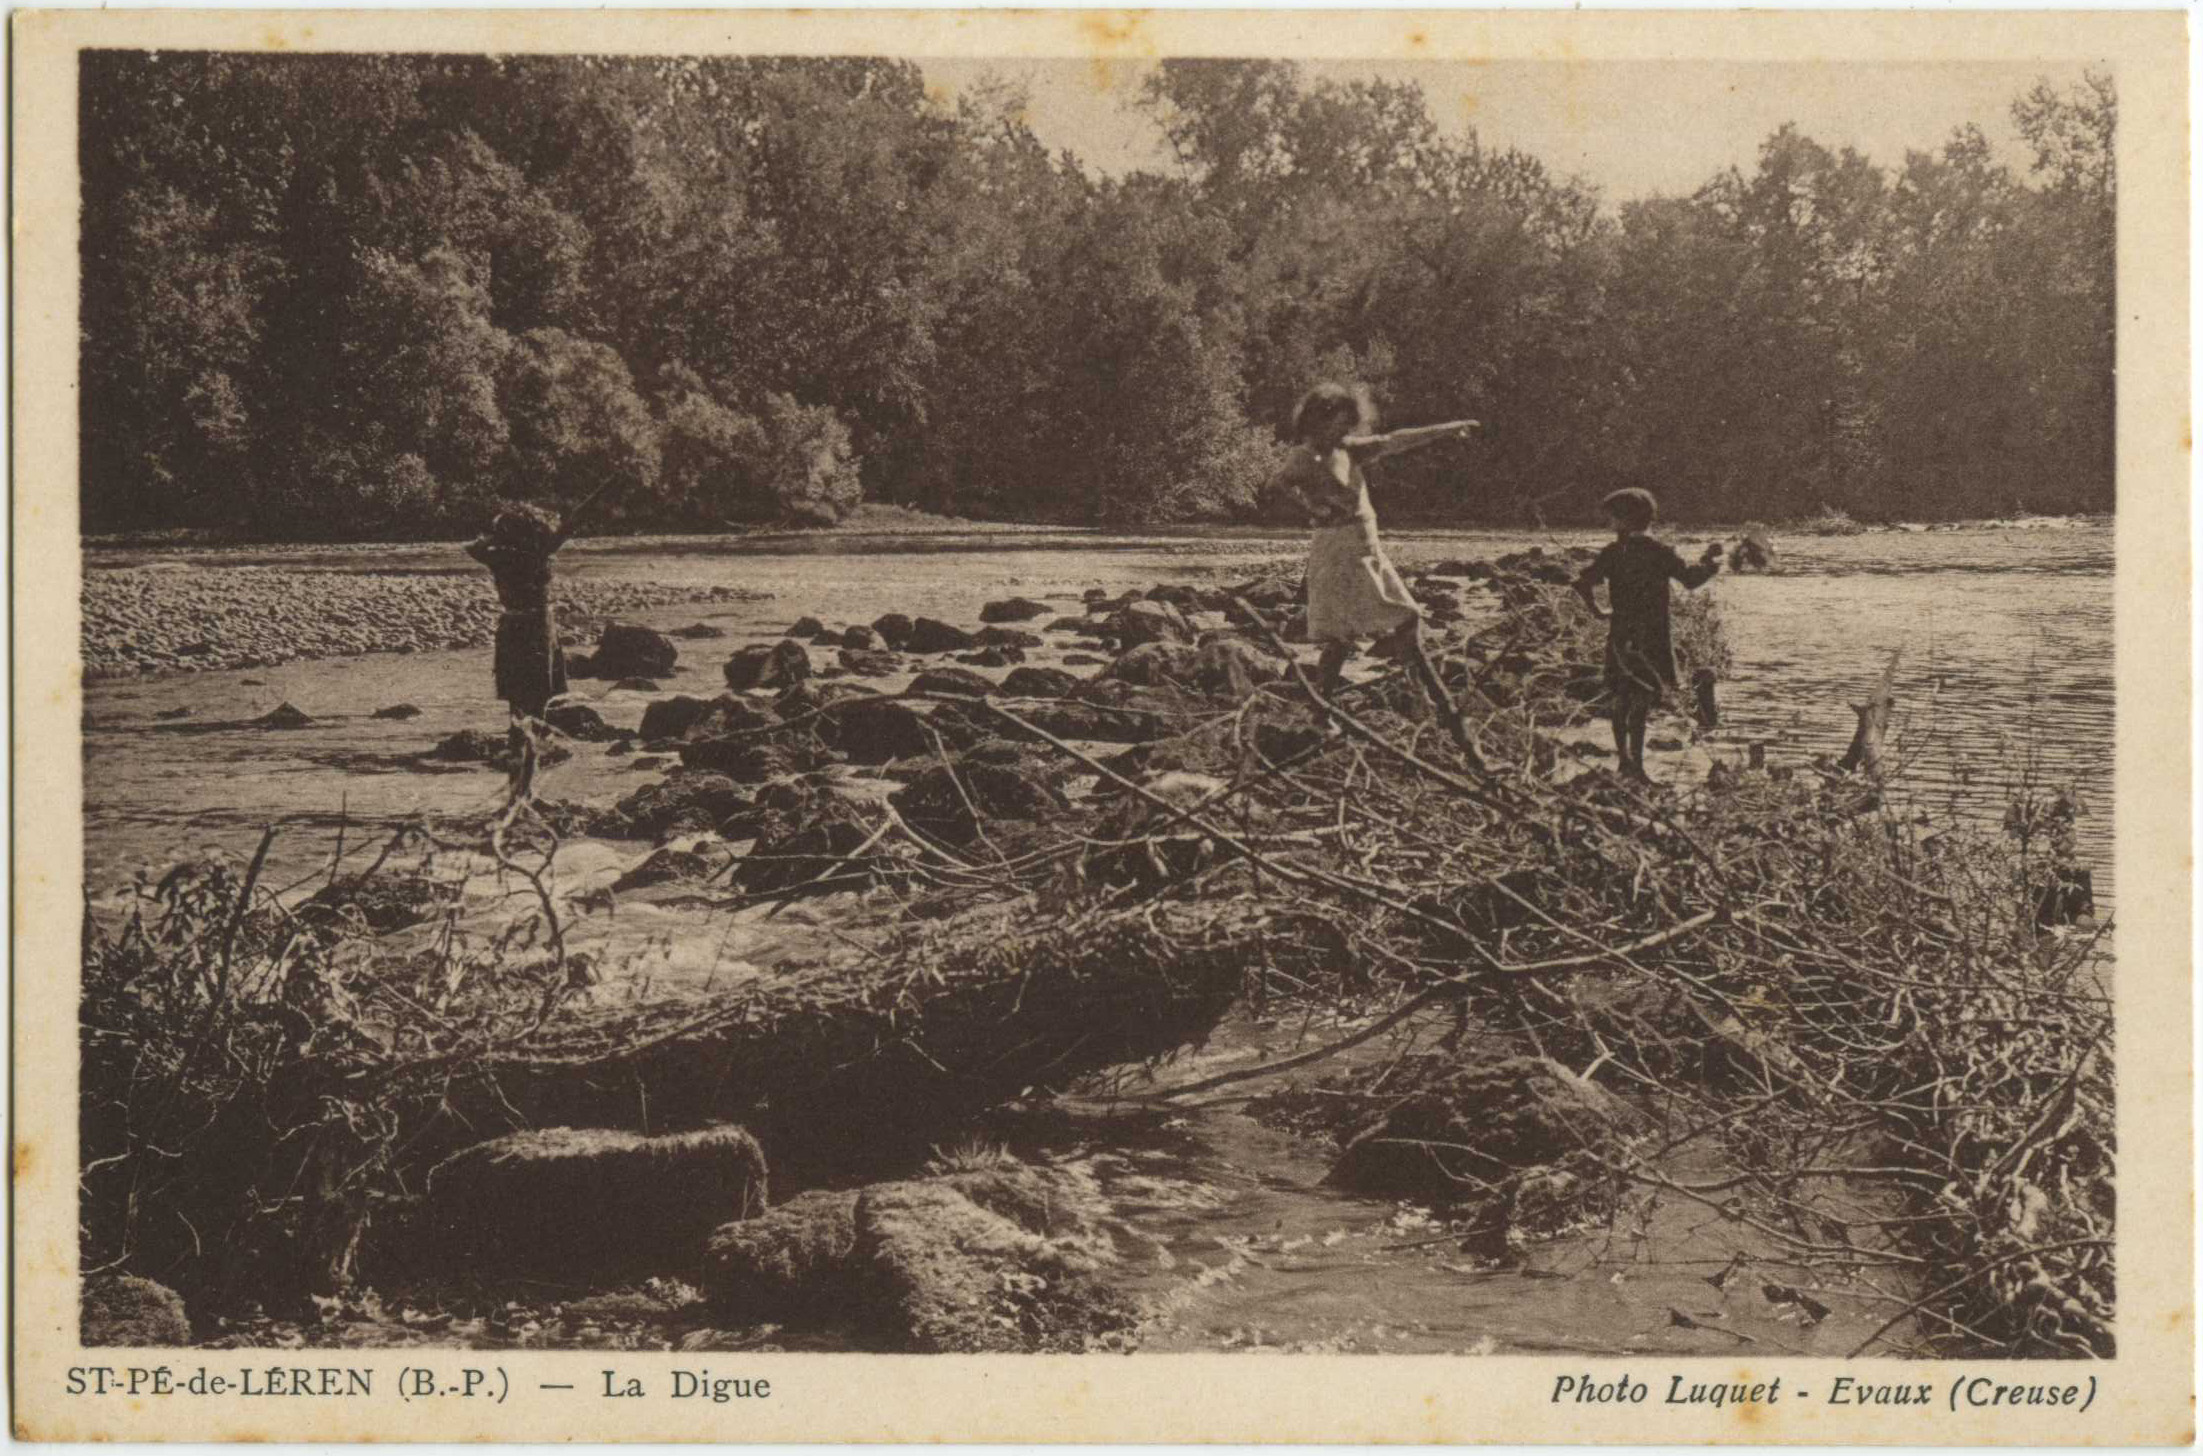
column 1348, row 703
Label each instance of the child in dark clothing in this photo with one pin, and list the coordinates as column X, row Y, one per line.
column 529, row 668
column 1640, row 653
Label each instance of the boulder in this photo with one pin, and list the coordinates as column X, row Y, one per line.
column 1152, row 664
column 699, row 631
column 789, row 1263
column 1016, row 609
column 826, row 847
column 1069, row 624
column 930, row 634
column 778, row 665
column 1471, row 1129
column 674, row 717
column 863, row 639
column 960, row 681
column 396, row 711
column 954, row 806
column 122, row 1310
column 472, row 745
column 634, row 685
column 1226, row 666
column 626, row 650
column 868, row 662
column 877, row 730
column 1145, row 621
column 1038, row 682
column 283, row 716
column 1007, row 637
column 806, row 627
column 744, row 760
column 894, row 629
column 993, row 657
column 556, row 1199
column 582, row 722
column 684, row 802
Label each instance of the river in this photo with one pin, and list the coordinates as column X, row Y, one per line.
column 2006, row 636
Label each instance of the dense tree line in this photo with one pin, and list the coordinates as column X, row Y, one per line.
column 370, row 295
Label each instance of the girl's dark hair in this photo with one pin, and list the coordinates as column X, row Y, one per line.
column 1634, row 508
column 1326, row 399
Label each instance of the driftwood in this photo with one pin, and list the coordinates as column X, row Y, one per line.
column 869, row 1046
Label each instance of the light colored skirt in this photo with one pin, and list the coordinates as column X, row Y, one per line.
column 1353, row 591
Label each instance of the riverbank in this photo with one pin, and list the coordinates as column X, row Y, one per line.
column 175, row 617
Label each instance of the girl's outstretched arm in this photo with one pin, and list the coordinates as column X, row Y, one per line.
column 1376, row 447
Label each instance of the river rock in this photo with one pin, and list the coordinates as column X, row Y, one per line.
column 1468, row 1130
column 580, row 721
column 961, row 681
column 1016, row 609
column 397, row 712
column 953, row 805
column 879, row 730
column 863, row 639
column 1069, row 624
column 993, row 657
column 782, row 664
column 930, row 635
column 1152, row 664
column 685, row 802
column 626, row 650
column 1008, row 637
column 865, row 662
column 563, row 1198
column 744, row 760
column 698, row 631
column 283, row 716
column 806, row 627
column 1145, row 621
column 826, row 848
column 124, row 1311
column 1230, row 666
column 634, row 685
column 686, row 717
column 894, row 629
column 1038, row 682
column 472, row 745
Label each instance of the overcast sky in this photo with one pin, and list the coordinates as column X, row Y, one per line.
column 1632, row 127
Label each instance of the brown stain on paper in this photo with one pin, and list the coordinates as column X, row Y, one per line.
column 23, row 1161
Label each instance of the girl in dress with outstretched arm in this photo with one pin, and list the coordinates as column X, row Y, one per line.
column 1353, row 589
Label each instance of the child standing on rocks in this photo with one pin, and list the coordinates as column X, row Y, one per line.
column 1353, row 589
column 1640, row 650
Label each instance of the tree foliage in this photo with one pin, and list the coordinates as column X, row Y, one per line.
column 369, row 295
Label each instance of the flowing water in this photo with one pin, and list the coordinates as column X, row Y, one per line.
column 2005, row 672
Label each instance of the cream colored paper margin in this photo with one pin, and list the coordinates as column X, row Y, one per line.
column 2145, row 1396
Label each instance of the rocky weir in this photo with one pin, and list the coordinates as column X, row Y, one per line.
column 1036, row 886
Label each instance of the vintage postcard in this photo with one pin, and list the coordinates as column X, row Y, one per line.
column 1102, row 726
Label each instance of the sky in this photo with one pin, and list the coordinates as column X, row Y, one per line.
column 1632, row 128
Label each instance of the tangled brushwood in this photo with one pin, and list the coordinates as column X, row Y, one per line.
column 1884, row 1032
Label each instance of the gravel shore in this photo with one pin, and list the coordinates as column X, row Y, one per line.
column 177, row 618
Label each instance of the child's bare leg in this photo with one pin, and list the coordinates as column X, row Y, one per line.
column 1639, row 710
column 1331, row 668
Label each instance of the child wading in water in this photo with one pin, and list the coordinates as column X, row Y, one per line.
column 1353, row 590
column 1640, row 651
